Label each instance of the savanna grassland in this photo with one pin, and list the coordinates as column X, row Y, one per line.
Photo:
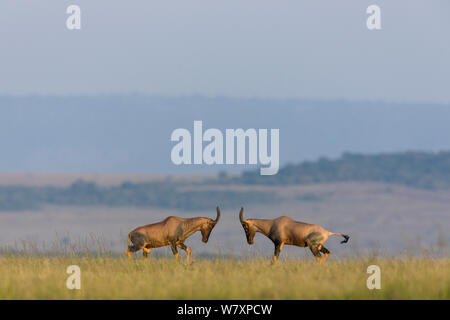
column 108, row 277
column 404, row 228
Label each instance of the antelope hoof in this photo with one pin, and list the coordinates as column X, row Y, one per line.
column 188, row 258
column 320, row 260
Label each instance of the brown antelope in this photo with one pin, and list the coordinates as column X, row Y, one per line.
column 172, row 231
column 284, row 230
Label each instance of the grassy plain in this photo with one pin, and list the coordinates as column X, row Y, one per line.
column 108, row 277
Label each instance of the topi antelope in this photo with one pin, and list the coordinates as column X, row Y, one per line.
column 172, row 231
column 284, row 230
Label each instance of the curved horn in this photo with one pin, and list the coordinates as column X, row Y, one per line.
column 241, row 215
column 218, row 215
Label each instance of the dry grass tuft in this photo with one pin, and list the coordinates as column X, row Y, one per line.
column 108, row 277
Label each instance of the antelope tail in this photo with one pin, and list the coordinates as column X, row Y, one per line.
column 346, row 237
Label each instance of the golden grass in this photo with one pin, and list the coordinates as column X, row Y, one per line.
column 108, row 277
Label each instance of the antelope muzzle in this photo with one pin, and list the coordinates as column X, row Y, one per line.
column 206, row 232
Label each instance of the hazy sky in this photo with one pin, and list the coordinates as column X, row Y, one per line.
column 251, row 48
column 132, row 133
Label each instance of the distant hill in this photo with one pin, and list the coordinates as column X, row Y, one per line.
column 162, row 194
column 415, row 169
column 423, row 170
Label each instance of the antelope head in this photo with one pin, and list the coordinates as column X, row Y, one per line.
column 249, row 228
column 208, row 225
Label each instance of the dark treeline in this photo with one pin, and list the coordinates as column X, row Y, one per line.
column 415, row 169
column 155, row 194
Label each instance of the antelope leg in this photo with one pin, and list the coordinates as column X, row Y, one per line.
column 315, row 251
column 326, row 252
column 278, row 247
column 146, row 252
column 185, row 248
column 173, row 246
